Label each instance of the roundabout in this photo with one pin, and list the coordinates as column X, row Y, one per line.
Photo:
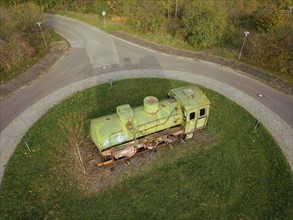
column 279, row 129
column 226, row 166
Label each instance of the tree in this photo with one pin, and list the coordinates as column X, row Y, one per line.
column 204, row 23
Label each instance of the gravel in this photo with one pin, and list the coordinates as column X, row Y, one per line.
column 279, row 129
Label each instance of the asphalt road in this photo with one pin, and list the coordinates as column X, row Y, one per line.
column 94, row 52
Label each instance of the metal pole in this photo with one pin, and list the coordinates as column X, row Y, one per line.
column 104, row 14
column 246, row 33
column 39, row 24
column 256, row 125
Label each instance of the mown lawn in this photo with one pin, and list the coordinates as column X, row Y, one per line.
column 238, row 173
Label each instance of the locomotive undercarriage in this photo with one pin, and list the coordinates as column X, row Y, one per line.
column 138, row 146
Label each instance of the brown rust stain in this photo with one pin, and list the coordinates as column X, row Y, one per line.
column 152, row 100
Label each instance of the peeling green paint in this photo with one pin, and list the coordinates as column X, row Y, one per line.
column 183, row 107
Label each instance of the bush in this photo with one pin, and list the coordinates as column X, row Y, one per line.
column 231, row 38
column 14, row 51
column 25, row 17
column 141, row 16
column 270, row 21
column 19, row 34
column 204, row 23
column 271, row 51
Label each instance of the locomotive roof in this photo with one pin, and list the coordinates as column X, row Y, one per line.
column 190, row 97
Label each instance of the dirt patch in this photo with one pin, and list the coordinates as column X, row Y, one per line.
column 97, row 178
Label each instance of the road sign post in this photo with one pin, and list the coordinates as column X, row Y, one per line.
column 104, row 14
column 245, row 33
column 39, row 24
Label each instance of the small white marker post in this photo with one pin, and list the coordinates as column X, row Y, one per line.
column 256, row 125
column 27, row 146
column 245, row 33
column 104, row 14
column 110, row 82
column 39, row 24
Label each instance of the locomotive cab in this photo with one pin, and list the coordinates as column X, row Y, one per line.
column 195, row 108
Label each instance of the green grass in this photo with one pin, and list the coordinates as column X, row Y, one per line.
column 55, row 37
column 238, row 173
column 94, row 20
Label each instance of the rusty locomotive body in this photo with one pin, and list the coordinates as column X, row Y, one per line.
column 130, row 130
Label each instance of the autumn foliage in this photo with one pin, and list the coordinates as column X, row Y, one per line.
column 19, row 34
column 201, row 25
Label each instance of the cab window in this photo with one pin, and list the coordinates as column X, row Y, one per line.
column 192, row 116
column 202, row 112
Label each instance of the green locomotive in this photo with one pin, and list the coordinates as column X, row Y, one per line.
column 129, row 130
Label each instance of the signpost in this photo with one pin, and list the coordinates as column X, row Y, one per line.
column 245, row 33
column 39, row 24
column 104, row 14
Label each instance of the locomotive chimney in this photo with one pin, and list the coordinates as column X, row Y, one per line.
column 150, row 104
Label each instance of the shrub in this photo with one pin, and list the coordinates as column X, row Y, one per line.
column 25, row 17
column 19, row 34
column 141, row 16
column 14, row 51
column 271, row 51
column 204, row 23
column 270, row 21
column 231, row 38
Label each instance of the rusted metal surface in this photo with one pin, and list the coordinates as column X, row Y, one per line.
column 151, row 142
column 130, row 130
column 113, row 162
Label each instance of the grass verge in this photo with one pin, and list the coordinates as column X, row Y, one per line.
column 234, row 172
column 96, row 21
column 93, row 20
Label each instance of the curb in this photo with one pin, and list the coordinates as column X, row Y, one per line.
column 243, row 68
column 57, row 51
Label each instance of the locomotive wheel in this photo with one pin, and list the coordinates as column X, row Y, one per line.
column 132, row 153
column 152, row 144
column 106, row 158
column 172, row 138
